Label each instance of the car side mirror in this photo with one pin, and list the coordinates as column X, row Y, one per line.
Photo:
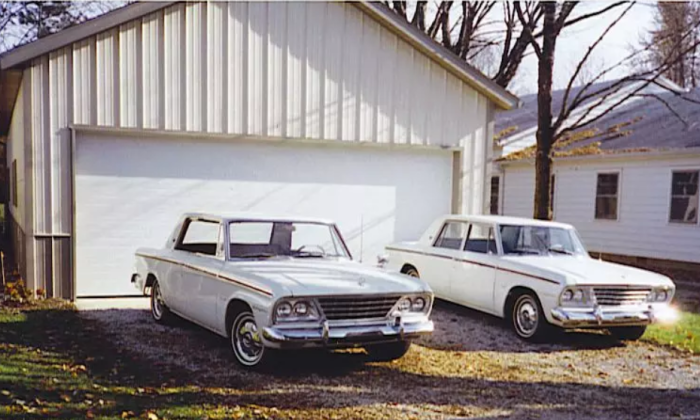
column 382, row 260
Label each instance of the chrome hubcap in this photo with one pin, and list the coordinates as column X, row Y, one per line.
column 246, row 340
column 157, row 302
column 526, row 316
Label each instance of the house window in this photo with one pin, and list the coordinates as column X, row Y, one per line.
column 495, row 187
column 684, row 197
column 606, row 196
column 13, row 181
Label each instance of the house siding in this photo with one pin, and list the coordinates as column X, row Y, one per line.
column 643, row 206
column 323, row 71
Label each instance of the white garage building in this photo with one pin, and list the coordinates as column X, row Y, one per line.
column 116, row 126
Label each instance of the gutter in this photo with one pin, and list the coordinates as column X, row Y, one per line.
column 619, row 155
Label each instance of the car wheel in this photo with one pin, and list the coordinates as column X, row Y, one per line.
column 387, row 352
column 411, row 271
column 159, row 310
column 527, row 317
column 247, row 344
column 628, row 333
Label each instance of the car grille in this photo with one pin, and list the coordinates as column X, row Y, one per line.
column 336, row 308
column 618, row 296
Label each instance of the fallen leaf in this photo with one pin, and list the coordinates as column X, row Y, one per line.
column 5, row 392
column 151, row 416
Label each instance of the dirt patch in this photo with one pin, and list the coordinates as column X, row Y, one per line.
column 471, row 367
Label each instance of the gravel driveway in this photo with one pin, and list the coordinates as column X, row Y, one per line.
column 472, row 367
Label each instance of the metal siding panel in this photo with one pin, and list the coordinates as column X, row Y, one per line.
column 257, row 68
column 385, row 88
column 41, row 146
column 435, row 103
column 277, row 69
column 333, row 83
column 368, row 80
column 130, row 66
column 217, row 48
column 296, row 70
column 61, row 92
column 237, row 68
column 62, row 268
column 174, row 67
column 195, row 66
column 44, row 265
column 402, row 93
column 420, row 92
column 316, row 13
column 152, row 71
column 108, row 78
column 84, row 90
column 352, row 59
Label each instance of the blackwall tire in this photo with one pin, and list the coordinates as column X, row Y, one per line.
column 628, row 333
column 387, row 352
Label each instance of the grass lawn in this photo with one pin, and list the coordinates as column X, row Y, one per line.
column 54, row 364
column 684, row 334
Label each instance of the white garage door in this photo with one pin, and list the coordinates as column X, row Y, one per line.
column 130, row 193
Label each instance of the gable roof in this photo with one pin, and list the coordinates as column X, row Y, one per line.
column 657, row 119
column 11, row 62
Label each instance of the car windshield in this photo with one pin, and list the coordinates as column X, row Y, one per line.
column 540, row 240
column 268, row 239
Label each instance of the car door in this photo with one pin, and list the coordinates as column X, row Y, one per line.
column 437, row 263
column 474, row 275
column 201, row 257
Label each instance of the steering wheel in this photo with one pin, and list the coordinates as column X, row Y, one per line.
column 319, row 247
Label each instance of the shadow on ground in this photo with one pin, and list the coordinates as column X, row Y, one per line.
column 205, row 382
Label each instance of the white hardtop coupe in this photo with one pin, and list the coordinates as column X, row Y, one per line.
column 534, row 274
column 270, row 283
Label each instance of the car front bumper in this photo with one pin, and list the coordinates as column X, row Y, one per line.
column 603, row 317
column 338, row 335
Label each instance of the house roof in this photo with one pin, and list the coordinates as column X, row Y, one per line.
column 11, row 62
column 657, row 119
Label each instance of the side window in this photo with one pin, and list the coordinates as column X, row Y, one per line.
column 200, row 236
column 684, row 197
column 451, row 235
column 481, row 239
column 606, row 196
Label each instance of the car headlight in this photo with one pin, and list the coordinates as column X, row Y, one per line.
column 659, row 295
column 284, row 309
column 408, row 305
column 301, row 308
column 418, row 304
column 405, row 305
column 295, row 310
column 576, row 296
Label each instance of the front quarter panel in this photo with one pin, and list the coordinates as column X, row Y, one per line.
column 547, row 289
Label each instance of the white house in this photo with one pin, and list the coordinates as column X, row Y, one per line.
column 338, row 110
column 630, row 186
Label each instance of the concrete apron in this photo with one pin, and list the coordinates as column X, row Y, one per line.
column 96, row 304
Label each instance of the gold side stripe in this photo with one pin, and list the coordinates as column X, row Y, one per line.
column 207, row 272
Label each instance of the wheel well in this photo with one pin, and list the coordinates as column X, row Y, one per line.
column 234, row 307
column 407, row 267
column 510, row 298
column 149, row 280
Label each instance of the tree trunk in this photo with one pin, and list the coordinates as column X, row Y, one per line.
column 545, row 134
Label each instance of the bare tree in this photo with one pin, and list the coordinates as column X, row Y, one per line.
column 22, row 22
column 592, row 101
column 672, row 21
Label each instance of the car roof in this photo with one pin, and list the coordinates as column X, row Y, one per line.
column 506, row 220
column 254, row 217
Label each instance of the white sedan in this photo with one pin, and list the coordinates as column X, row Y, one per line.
column 533, row 273
column 270, row 283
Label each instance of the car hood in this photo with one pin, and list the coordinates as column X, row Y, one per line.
column 575, row 270
column 307, row 277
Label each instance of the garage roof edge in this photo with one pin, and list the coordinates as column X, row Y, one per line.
column 418, row 39
column 68, row 36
